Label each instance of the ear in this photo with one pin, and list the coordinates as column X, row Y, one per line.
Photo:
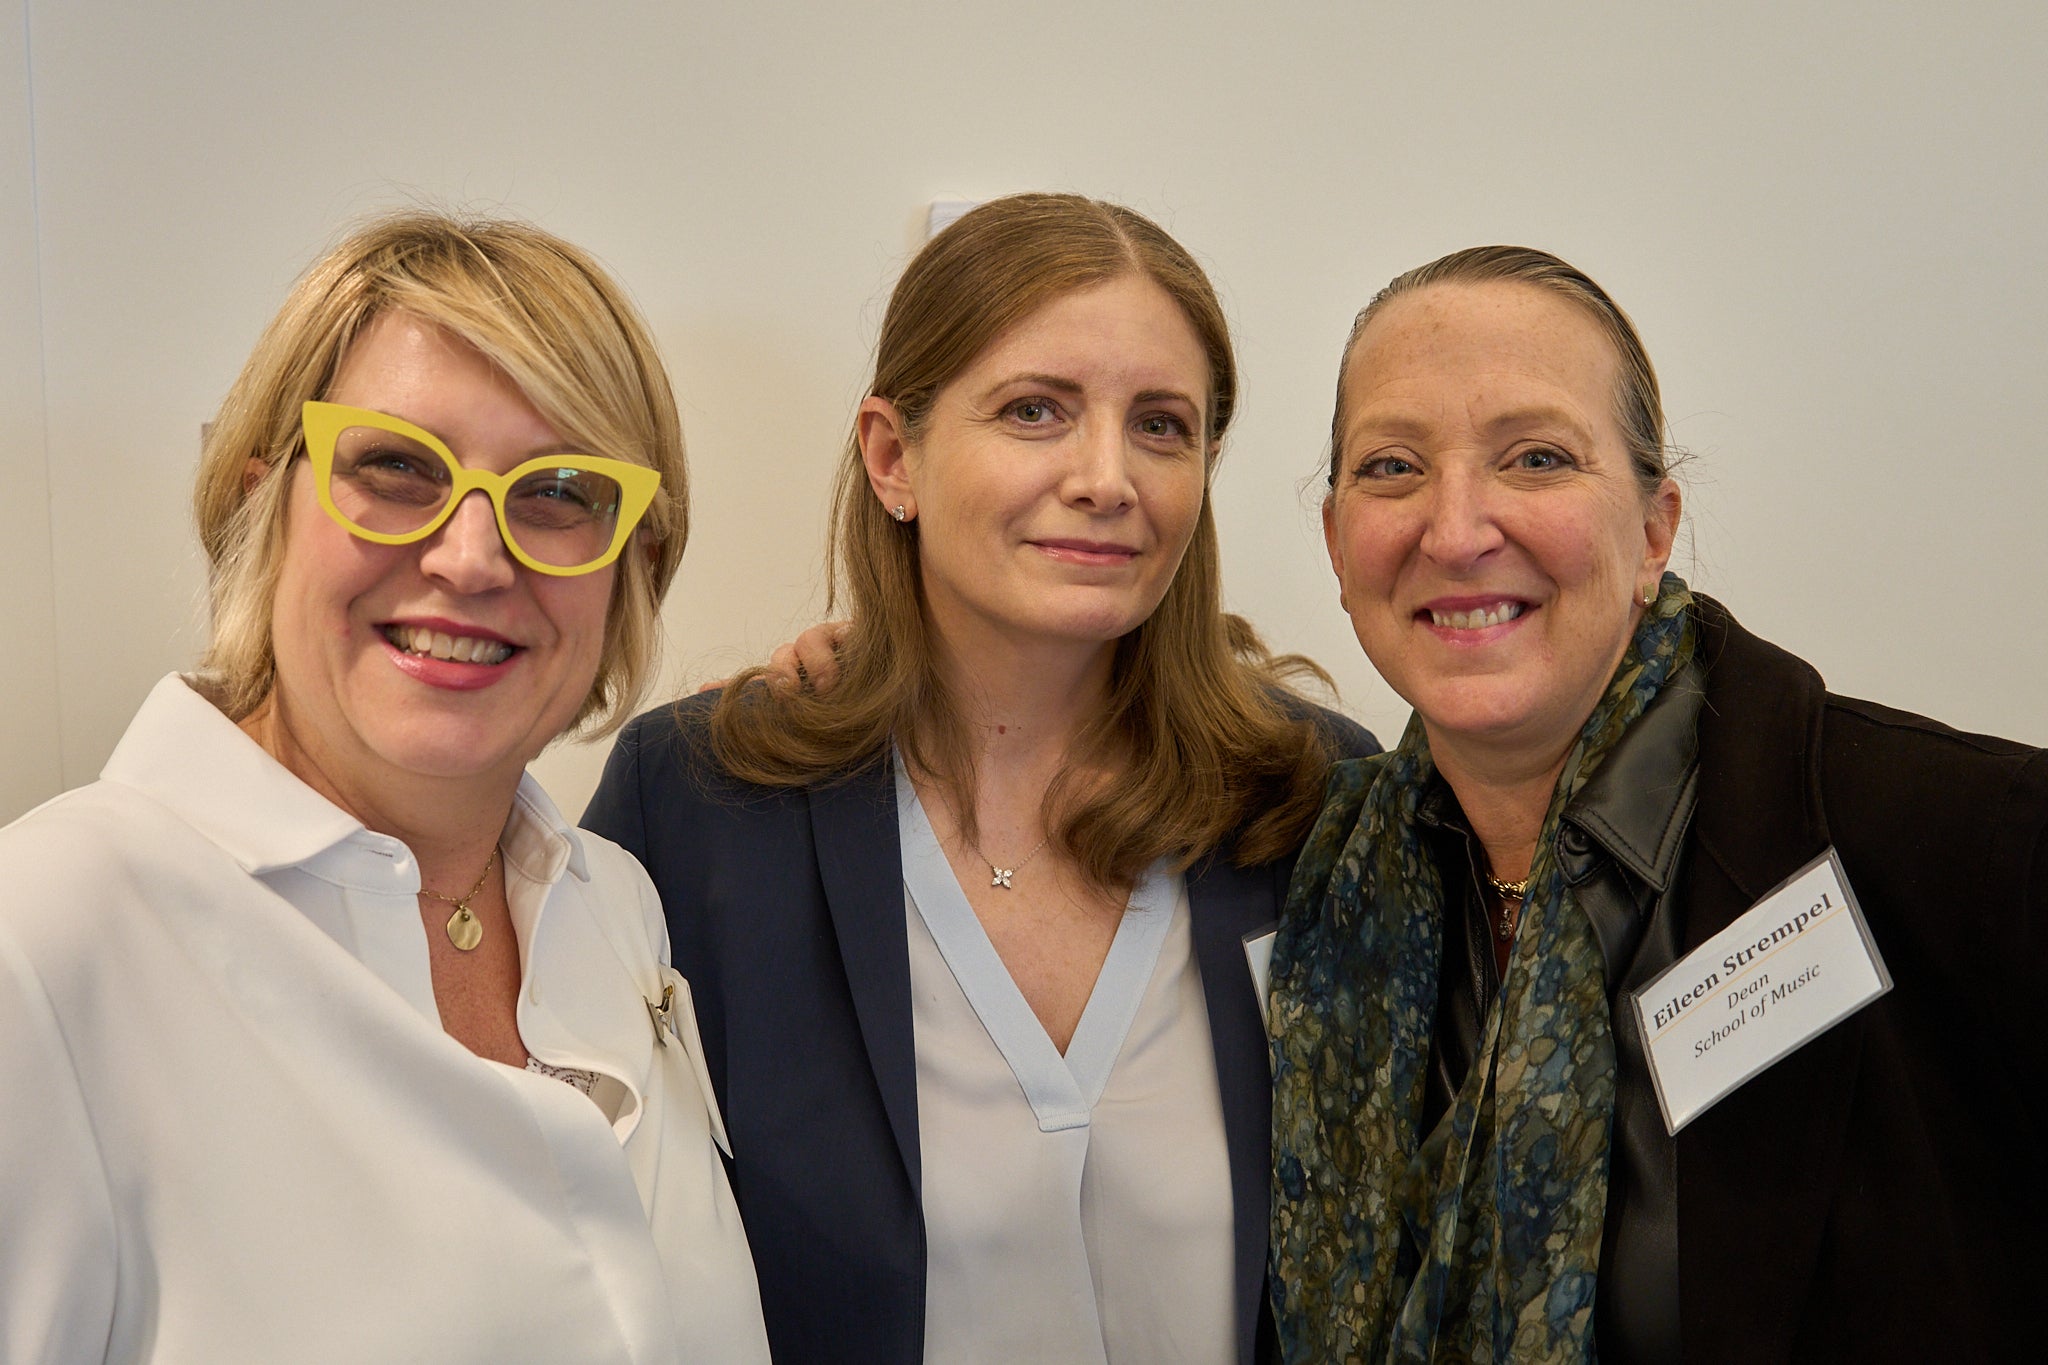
column 1334, row 545
column 885, row 451
column 1660, row 528
column 253, row 470
column 1659, row 531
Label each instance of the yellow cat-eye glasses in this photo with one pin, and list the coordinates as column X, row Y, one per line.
column 388, row 481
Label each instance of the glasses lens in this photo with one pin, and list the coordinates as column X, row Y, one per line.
column 563, row 515
column 387, row 483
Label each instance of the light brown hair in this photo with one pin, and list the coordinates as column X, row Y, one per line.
column 539, row 309
column 1194, row 728
column 1638, row 405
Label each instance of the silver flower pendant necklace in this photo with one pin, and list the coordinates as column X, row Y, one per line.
column 999, row 875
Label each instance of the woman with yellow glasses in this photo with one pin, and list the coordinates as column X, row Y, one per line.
column 324, row 1036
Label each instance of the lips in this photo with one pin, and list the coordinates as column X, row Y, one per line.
column 1075, row 551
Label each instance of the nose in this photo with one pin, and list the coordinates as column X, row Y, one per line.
column 467, row 553
column 1461, row 528
column 1098, row 477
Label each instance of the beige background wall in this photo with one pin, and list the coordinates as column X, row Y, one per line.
column 1828, row 227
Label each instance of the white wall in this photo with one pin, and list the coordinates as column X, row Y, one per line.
column 1828, row 229
column 31, row 763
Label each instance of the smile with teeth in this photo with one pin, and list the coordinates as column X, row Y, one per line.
column 460, row 648
column 1476, row 620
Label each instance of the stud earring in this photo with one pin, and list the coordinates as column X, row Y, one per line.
column 898, row 512
column 1649, row 594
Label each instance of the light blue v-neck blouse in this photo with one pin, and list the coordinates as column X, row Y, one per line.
column 1077, row 1208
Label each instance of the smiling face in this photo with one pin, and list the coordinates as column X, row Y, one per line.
column 1490, row 538
column 443, row 659
column 1057, row 480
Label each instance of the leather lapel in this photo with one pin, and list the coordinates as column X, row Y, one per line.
column 1756, row 1172
column 860, row 862
column 1224, row 904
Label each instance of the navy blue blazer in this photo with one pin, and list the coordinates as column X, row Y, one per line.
column 785, row 913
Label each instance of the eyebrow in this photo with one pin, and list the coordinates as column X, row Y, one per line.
column 1061, row 384
column 1538, row 415
column 541, row 452
column 1541, row 414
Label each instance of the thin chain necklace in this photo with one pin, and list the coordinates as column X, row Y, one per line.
column 465, row 930
column 999, row 875
column 1511, row 895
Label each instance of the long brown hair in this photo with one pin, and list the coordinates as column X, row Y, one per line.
column 1195, row 728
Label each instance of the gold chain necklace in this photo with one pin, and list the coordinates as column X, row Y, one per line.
column 1511, row 895
column 465, row 930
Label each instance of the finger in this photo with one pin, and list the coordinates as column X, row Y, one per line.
column 816, row 655
column 784, row 668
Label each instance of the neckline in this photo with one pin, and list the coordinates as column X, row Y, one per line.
column 1062, row 1089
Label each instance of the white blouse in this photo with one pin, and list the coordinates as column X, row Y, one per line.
column 1077, row 1208
column 232, row 1127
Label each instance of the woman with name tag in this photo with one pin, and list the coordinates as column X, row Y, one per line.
column 323, row 1036
column 1609, row 789
column 967, row 933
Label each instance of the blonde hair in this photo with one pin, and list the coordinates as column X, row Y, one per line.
column 1638, row 404
column 539, row 309
column 1195, row 728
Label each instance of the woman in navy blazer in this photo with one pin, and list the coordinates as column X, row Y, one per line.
column 1025, row 539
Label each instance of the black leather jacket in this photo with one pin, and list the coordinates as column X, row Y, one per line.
column 1875, row 1195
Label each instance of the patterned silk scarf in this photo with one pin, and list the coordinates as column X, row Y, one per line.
column 1479, row 1240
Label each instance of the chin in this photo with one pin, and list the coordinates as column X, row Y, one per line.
column 451, row 751
column 1479, row 710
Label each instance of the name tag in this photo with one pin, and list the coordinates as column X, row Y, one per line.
column 1258, row 955
column 1796, row 964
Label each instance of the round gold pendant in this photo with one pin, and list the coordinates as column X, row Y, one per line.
column 465, row 931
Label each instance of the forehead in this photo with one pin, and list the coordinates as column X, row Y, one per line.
column 1128, row 331
column 411, row 367
column 1462, row 354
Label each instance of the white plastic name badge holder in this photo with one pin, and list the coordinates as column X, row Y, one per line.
column 1793, row 966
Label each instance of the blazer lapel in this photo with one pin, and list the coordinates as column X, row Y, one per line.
column 1758, row 1168
column 1224, row 904
column 861, row 865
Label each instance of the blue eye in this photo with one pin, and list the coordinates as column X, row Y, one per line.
column 1384, row 467
column 1542, row 457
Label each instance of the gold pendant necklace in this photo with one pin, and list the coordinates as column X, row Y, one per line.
column 465, row 930
column 1510, row 894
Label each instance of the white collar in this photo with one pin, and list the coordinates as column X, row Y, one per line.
column 195, row 762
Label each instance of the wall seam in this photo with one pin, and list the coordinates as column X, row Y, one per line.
column 35, row 209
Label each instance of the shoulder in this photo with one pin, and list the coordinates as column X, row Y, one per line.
column 673, row 736
column 79, row 854
column 1911, row 790
column 1343, row 736
column 670, row 748
column 1896, row 786
column 661, row 773
column 619, row 895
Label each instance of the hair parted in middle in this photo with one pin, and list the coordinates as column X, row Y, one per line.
column 1195, row 727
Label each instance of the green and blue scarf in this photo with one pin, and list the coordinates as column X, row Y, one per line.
column 1478, row 1240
